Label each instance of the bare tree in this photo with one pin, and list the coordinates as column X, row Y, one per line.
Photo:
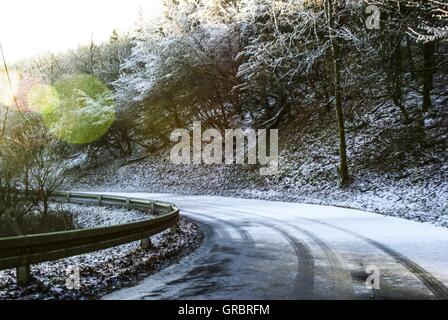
column 343, row 168
column 46, row 163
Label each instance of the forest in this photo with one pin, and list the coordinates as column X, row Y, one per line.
column 264, row 64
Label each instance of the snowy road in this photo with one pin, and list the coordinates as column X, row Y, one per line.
column 256, row 249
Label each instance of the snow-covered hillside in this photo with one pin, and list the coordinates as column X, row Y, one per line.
column 392, row 174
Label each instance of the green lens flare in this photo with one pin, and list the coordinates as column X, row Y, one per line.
column 79, row 109
column 43, row 99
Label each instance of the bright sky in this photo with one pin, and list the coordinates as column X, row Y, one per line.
column 28, row 27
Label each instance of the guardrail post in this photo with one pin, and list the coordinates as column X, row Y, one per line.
column 23, row 275
column 153, row 207
column 100, row 200
column 173, row 229
column 128, row 203
column 146, row 243
column 67, row 197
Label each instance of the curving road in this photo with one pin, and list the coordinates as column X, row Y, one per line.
column 255, row 249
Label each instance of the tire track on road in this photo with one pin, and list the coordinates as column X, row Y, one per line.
column 342, row 279
column 439, row 290
column 243, row 233
column 305, row 273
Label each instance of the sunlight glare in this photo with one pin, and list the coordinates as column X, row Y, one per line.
column 8, row 91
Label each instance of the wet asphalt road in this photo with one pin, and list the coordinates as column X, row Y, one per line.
column 256, row 249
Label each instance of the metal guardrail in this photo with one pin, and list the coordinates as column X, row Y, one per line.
column 22, row 251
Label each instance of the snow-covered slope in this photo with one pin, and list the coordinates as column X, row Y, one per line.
column 394, row 172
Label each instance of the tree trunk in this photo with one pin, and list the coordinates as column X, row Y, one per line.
column 27, row 181
column 397, row 91
column 410, row 57
column 428, row 70
column 44, row 198
column 127, row 139
column 343, row 168
column 46, row 205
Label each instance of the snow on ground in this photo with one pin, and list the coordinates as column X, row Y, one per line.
column 105, row 270
column 421, row 195
column 86, row 216
column 395, row 170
